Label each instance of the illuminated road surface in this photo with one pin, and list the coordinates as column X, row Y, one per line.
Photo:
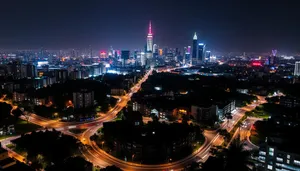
column 98, row 157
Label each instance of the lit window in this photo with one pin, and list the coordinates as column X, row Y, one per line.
column 262, row 153
column 270, row 167
column 271, row 153
column 288, row 156
column 297, row 162
column 288, row 161
column 279, row 159
column 271, row 149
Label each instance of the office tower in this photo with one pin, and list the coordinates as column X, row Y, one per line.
column 155, row 50
column 189, row 49
column 116, row 54
column 61, row 75
column 150, row 39
column 143, row 59
column 201, row 52
column 31, row 70
column 207, row 55
column 297, row 69
column 272, row 59
column 194, row 49
column 83, row 99
column 160, row 52
column 124, row 56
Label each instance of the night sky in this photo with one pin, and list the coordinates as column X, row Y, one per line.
column 224, row 25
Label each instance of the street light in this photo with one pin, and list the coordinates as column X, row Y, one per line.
column 102, row 144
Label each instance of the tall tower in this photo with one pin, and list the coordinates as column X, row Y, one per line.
column 297, row 69
column 150, row 39
column 201, row 52
column 194, row 49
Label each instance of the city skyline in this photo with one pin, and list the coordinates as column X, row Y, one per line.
column 123, row 25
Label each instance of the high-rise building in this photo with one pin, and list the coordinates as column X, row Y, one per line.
column 194, row 49
column 150, row 39
column 31, row 71
column 83, row 99
column 143, row 59
column 201, row 52
column 155, row 50
column 160, row 52
column 124, row 56
column 297, row 69
column 207, row 55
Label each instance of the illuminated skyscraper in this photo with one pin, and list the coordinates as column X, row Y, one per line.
column 297, row 69
column 125, row 56
column 143, row 59
column 155, row 48
column 207, row 56
column 150, row 39
column 194, row 49
column 201, row 52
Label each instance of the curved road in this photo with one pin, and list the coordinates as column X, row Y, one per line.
column 98, row 157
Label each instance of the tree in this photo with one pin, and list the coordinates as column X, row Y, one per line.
column 236, row 158
column 224, row 133
column 111, row 168
column 17, row 113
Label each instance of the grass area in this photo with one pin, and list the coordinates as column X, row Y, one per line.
column 22, row 127
column 10, row 146
column 196, row 146
column 5, row 136
column 259, row 112
column 255, row 139
column 100, row 130
column 77, row 131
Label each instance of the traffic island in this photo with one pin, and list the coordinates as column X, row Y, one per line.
column 152, row 143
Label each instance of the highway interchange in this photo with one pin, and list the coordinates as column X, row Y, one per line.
column 98, row 157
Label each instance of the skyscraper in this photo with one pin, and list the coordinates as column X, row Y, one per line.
column 150, row 39
column 124, row 56
column 297, row 69
column 201, row 52
column 155, row 48
column 194, row 49
column 207, row 56
column 143, row 59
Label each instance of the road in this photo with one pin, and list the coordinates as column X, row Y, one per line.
column 98, row 157
column 244, row 130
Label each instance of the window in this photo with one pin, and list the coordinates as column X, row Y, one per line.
column 288, row 156
column 297, row 162
column 262, row 153
column 271, row 149
column 270, row 167
column 288, row 161
column 271, row 153
column 279, row 159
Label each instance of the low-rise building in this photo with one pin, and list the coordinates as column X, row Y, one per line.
column 225, row 108
column 117, row 91
column 289, row 101
column 20, row 96
column 205, row 113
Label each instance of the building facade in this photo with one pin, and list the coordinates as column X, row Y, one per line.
column 83, row 99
